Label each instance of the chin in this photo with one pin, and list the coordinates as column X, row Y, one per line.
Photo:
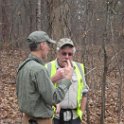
column 44, row 57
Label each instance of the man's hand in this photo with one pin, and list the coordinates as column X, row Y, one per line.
column 59, row 75
column 58, row 108
column 65, row 72
column 68, row 70
column 83, row 122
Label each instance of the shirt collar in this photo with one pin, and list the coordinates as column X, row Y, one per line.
column 39, row 60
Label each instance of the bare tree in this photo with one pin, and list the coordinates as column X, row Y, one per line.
column 105, row 66
column 38, row 15
column 4, row 22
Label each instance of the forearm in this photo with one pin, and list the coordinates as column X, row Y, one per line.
column 83, row 103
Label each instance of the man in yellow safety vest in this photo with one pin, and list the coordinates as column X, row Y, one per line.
column 71, row 109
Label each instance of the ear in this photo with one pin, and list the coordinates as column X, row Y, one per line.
column 42, row 45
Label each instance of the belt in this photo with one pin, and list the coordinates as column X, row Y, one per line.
column 62, row 115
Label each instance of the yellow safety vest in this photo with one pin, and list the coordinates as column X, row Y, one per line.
column 78, row 68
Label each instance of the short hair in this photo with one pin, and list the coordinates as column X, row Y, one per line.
column 68, row 45
column 33, row 46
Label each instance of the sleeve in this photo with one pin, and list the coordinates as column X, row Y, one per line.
column 49, row 93
column 86, row 87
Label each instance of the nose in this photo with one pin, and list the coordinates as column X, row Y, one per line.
column 66, row 56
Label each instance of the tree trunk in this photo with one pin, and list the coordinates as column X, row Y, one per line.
column 38, row 15
column 105, row 68
column 5, row 22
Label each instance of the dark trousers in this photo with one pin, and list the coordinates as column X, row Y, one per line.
column 73, row 121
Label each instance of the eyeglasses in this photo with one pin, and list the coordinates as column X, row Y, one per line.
column 65, row 54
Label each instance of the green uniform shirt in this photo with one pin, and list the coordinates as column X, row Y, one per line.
column 35, row 92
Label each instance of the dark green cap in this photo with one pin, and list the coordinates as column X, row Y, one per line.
column 39, row 36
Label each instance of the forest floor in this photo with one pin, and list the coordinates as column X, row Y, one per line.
column 9, row 112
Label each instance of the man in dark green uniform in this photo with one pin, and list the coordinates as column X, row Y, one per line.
column 35, row 92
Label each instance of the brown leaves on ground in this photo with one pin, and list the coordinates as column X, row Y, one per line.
column 9, row 112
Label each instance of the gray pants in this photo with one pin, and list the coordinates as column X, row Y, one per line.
column 73, row 121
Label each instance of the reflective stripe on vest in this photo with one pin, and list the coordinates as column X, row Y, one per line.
column 79, row 71
column 52, row 68
column 80, row 87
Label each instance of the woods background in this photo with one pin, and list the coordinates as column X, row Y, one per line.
column 97, row 29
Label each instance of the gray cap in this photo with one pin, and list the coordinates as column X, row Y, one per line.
column 39, row 36
column 64, row 41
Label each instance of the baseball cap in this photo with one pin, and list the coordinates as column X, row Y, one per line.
column 64, row 41
column 39, row 36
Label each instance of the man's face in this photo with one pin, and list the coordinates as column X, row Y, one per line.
column 45, row 49
column 64, row 54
